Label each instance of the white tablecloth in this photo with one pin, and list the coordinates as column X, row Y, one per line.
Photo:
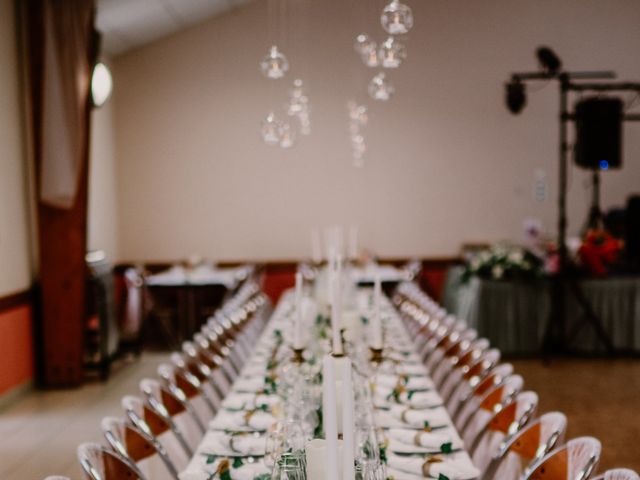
column 409, row 444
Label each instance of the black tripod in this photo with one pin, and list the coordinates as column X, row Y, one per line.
column 557, row 339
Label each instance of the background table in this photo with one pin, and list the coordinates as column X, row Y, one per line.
column 513, row 315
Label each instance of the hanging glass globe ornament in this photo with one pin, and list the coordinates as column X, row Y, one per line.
column 371, row 58
column 298, row 101
column 271, row 130
column 364, row 44
column 287, row 136
column 391, row 53
column 380, row 88
column 275, row 64
column 396, row 18
column 305, row 123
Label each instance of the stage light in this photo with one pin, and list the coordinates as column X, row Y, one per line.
column 548, row 60
column 516, row 96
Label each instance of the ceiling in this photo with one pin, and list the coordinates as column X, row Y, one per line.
column 128, row 24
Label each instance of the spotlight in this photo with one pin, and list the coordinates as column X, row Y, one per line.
column 548, row 60
column 516, row 96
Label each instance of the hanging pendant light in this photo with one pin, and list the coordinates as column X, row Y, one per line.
column 391, row 53
column 274, row 65
column 396, row 18
column 380, row 88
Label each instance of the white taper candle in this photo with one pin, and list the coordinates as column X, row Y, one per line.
column 298, row 341
column 330, row 416
column 376, row 320
column 348, row 423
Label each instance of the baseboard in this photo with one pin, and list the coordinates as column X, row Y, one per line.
column 12, row 396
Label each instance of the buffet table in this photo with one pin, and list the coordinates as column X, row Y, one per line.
column 513, row 315
column 192, row 294
column 240, row 439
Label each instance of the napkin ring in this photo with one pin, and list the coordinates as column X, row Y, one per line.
column 403, row 415
column 248, row 415
column 231, row 444
column 426, row 466
column 417, row 437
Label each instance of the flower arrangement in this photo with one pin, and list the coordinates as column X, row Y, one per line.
column 504, row 263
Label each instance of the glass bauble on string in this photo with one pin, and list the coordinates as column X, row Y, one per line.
column 391, row 53
column 396, row 18
column 371, row 58
column 271, row 130
column 298, row 101
column 287, row 136
column 358, row 113
column 274, row 65
column 380, row 88
column 364, row 44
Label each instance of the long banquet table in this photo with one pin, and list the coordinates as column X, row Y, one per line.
column 416, row 434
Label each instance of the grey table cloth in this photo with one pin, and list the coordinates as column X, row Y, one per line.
column 513, row 315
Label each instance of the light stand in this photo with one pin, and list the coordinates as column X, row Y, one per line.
column 564, row 281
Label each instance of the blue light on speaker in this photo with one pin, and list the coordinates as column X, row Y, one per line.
column 604, row 165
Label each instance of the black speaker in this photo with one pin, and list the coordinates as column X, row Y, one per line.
column 599, row 133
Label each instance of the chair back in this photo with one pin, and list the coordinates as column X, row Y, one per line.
column 576, row 460
column 100, row 463
column 155, row 425
column 510, row 418
column 470, row 401
column 181, row 382
column 618, row 474
column 185, row 422
column 493, row 400
column 519, row 451
column 143, row 450
column 455, row 390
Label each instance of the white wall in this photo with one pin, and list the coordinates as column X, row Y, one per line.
column 14, row 244
column 447, row 163
column 102, row 222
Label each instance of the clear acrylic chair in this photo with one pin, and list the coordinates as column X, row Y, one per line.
column 218, row 369
column 146, row 419
column 461, row 383
column 470, row 400
column 140, row 448
column 181, row 382
column 489, row 403
column 510, row 418
column 618, row 474
column 203, row 373
column 450, row 341
column 185, row 422
column 100, row 463
column 459, row 365
column 56, row 477
column 518, row 452
column 576, row 460
column 457, row 355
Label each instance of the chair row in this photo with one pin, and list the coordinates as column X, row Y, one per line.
column 164, row 423
column 485, row 398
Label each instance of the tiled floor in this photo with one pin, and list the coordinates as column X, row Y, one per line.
column 39, row 434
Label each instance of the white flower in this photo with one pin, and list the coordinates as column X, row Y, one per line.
column 497, row 271
column 516, row 256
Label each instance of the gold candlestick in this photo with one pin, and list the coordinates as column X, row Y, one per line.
column 376, row 355
column 298, row 356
